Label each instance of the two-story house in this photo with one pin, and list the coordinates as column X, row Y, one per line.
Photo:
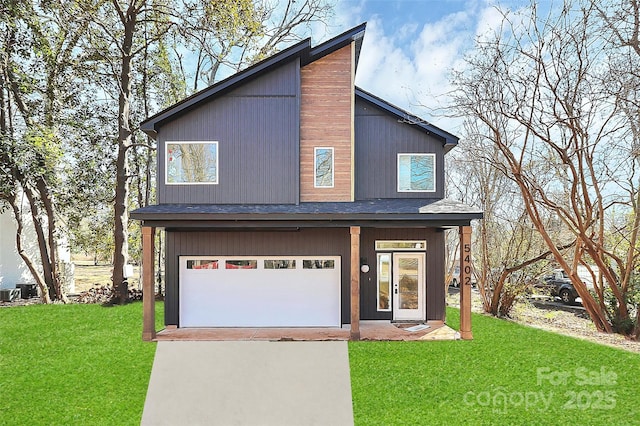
column 291, row 198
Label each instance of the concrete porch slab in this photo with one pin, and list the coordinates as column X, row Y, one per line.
column 369, row 330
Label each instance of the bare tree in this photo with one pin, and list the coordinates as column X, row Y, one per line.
column 538, row 92
column 511, row 254
column 621, row 23
column 232, row 34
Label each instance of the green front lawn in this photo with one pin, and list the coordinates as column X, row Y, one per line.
column 73, row 364
column 509, row 374
column 86, row 364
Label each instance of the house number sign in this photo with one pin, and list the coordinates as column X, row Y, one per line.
column 467, row 264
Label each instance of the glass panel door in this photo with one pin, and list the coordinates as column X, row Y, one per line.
column 408, row 286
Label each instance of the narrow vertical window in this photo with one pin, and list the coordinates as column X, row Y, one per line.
column 384, row 281
column 416, row 172
column 323, row 167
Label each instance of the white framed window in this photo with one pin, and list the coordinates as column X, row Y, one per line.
column 202, row 264
column 384, row 282
column 416, row 172
column 404, row 245
column 319, row 264
column 323, row 167
column 241, row 264
column 191, row 163
column 279, row 264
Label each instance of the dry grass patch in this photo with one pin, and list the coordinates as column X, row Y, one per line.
column 87, row 275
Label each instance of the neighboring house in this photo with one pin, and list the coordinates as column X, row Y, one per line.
column 291, row 198
column 13, row 270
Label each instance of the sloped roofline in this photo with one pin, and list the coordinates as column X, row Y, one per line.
column 355, row 34
column 448, row 139
column 302, row 50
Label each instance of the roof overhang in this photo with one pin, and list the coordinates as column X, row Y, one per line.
column 449, row 140
column 372, row 213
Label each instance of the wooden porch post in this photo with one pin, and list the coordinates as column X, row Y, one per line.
column 465, row 282
column 355, row 282
column 148, row 292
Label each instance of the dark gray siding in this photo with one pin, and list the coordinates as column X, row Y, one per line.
column 379, row 137
column 257, row 129
column 322, row 242
column 326, row 241
column 434, row 269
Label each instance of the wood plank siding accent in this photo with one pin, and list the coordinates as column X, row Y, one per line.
column 257, row 130
column 355, row 282
column 379, row 139
column 465, row 282
column 326, row 120
column 148, row 289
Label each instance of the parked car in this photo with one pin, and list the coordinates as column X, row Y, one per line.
column 559, row 285
column 455, row 278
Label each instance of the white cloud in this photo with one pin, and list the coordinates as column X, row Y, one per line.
column 489, row 22
column 410, row 65
column 384, row 68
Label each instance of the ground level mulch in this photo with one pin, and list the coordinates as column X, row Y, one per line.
column 571, row 321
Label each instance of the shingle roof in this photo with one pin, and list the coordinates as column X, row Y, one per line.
column 382, row 209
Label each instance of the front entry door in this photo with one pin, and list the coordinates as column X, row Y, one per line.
column 408, row 286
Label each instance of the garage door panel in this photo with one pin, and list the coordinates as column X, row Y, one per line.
column 260, row 297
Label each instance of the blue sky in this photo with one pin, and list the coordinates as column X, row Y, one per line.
column 410, row 46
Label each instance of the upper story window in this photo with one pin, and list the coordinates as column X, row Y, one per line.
column 416, row 172
column 193, row 163
column 323, row 167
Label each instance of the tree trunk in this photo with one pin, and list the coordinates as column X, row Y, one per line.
column 42, row 244
column 121, row 210
column 44, row 290
column 47, row 202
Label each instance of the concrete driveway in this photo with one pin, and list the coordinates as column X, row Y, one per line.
column 249, row 383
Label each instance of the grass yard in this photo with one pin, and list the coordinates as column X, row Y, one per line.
column 508, row 375
column 87, row 365
column 73, row 365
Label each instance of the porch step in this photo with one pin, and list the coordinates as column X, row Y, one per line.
column 443, row 333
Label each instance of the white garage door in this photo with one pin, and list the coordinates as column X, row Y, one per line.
column 268, row 291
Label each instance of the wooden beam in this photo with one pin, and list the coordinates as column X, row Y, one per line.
column 355, row 282
column 465, row 282
column 148, row 291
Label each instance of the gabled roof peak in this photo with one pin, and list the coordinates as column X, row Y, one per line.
column 302, row 50
column 355, row 34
